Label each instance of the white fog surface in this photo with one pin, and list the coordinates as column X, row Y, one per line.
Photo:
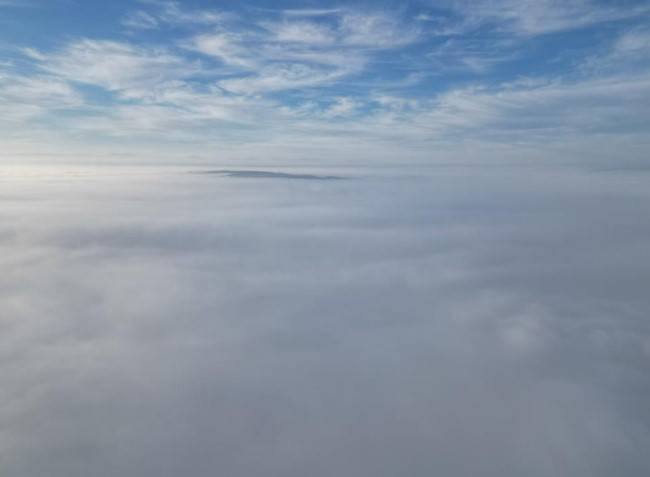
column 404, row 321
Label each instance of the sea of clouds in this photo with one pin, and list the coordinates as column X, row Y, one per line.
column 452, row 321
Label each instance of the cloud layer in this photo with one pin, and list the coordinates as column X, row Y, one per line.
column 453, row 321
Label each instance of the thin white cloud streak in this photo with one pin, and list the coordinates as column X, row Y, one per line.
column 282, row 77
column 312, row 12
column 479, row 57
column 25, row 99
column 172, row 13
column 345, row 47
column 44, row 92
column 378, row 29
column 629, row 52
column 292, row 54
column 342, row 107
column 140, row 20
column 116, row 65
column 301, row 32
column 636, row 41
column 16, row 3
column 537, row 17
column 597, row 105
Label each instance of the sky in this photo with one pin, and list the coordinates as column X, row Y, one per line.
column 425, row 81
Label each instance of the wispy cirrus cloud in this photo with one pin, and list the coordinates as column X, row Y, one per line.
column 472, row 55
column 382, row 30
column 287, row 54
column 550, row 109
column 311, row 12
column 116, row 66
column 170, row 13
column 141, row 20
column 629, row 52
column 28, row 98
column 304, row 32
column 282, row 77
column 16, row 3
column 382, row 75
column 537, row 17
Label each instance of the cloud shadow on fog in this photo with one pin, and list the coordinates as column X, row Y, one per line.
column 269, row 175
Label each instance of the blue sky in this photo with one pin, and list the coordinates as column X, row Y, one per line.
column 423, row 80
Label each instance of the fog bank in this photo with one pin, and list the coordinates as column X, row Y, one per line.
column 405, row 321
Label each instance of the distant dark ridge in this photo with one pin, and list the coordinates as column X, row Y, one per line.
column 269, row 175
